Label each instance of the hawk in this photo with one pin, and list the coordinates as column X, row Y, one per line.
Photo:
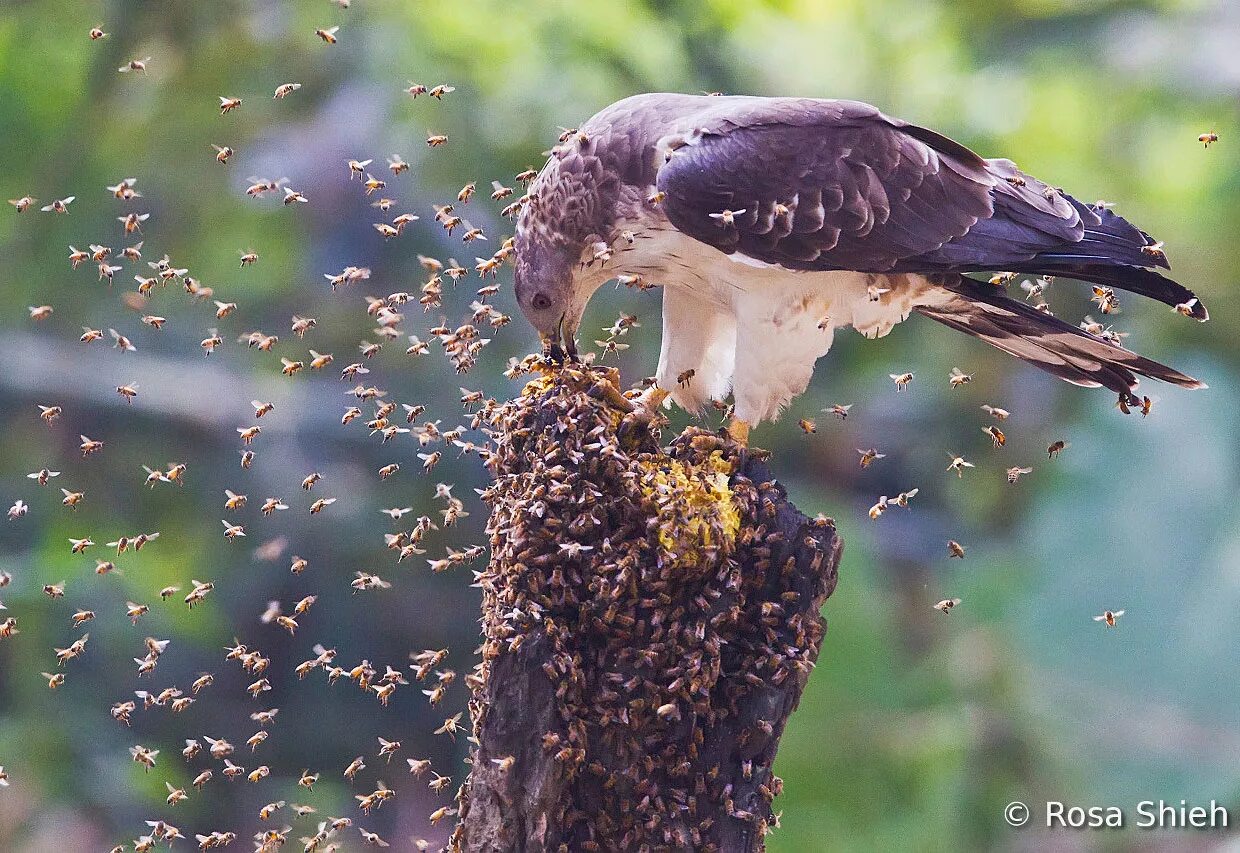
column 772, row 222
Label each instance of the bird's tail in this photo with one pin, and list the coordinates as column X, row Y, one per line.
column 1114, row 252
column 986, row 312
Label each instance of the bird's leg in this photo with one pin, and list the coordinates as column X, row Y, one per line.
column 738, row 431
column 652, row 398
column 645, row 410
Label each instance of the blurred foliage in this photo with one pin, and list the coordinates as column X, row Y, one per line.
column 916, row 728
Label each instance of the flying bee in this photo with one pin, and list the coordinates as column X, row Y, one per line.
column 1186, row 308
column 838, row 410
column 154, row 321
column 1002, row 279
column 134, row 65
column 1109, row 617
column 320, row 505
column 946, row 605
column 248, row 434
column 1015, row 473
column 54, row 680
column 397, row 164
column 42, row 476
column 996, row 435
column 284, row 90
column 144, row 756
column 233, row 501
column 434, row 140
column 232, row 531
column 996, row 413
column 958, row 464
column 301, row 325
column 247, row 458
column 308, row 483
column 290, row 367
column 134, row 252
column 955, row 549
column 328, row 35
column 72, row 499
column 430, row 460
column 135, row 611
column 320, row 360
column 40, row 312
column 1104, row 297
column 903, row 498
column 22, row 204
column 869, row 457
column 293, row 196
column 450, row 726
column 78, row 546
column 261, row 408
column 77, row 256
column 1206, row 140
column 437, row 92
column 958, row 378
column 1056, row 448
column 1147, row 405
column 17, row 510
column 227, row 105
column 901, row 380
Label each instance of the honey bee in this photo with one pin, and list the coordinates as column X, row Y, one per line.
column 996, row 413
column 1186, row 308
column 1208, row 139
column 955, row 549
column 958, row 464
column 301, row 325
column 248, row 434
column 901, row 380
column 1015, row 473
column 144, row 756
column 397, row 164
column 308, row 483
column 439, row 91
column 17, row 510
column 327, row 35
column 869, row 457
column 22, row 204
column 72, row 499
column 321, row 504
column 289, row 367
column 450, row 726
column 135, row 65
column 232, row 531
column 40, row 312
column 1056, row 448
column 268, row 810
column 372, row 838
column 227, row 105
column 727, row 218
column 284, row 90
column 54, row 680
column 434, row 140
column 42, row 476
column 292, row 196
column 996, row 435
column 1109, row 617
column 77, row 546
column 946, row 605
column 355, row 766
column 838, row 410
column 958, row 378
column 527, row 176
column 135, row 611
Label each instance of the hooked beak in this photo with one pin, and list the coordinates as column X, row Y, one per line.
column 561, row 345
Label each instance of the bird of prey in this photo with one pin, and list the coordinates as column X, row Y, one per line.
column 772, row 222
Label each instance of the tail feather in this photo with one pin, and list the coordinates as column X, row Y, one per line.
column 1046, row 342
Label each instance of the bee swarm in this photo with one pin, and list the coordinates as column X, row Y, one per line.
column 650, row 619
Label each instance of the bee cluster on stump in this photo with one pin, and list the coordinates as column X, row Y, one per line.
column 650, row 619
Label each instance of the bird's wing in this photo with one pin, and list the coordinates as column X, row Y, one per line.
column 867, row 192
column 862, row 191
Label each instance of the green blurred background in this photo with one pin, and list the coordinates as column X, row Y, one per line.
column 916, row 728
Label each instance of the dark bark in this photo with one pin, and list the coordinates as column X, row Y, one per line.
column 650, row 620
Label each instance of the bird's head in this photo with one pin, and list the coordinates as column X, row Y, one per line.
column 549, row 293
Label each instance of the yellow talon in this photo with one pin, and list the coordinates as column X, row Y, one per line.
column 652, row 398
column 738, row 431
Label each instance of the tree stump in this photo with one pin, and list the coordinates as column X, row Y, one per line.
column 650, row 619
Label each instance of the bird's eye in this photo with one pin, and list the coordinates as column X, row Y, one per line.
column 541, row 301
